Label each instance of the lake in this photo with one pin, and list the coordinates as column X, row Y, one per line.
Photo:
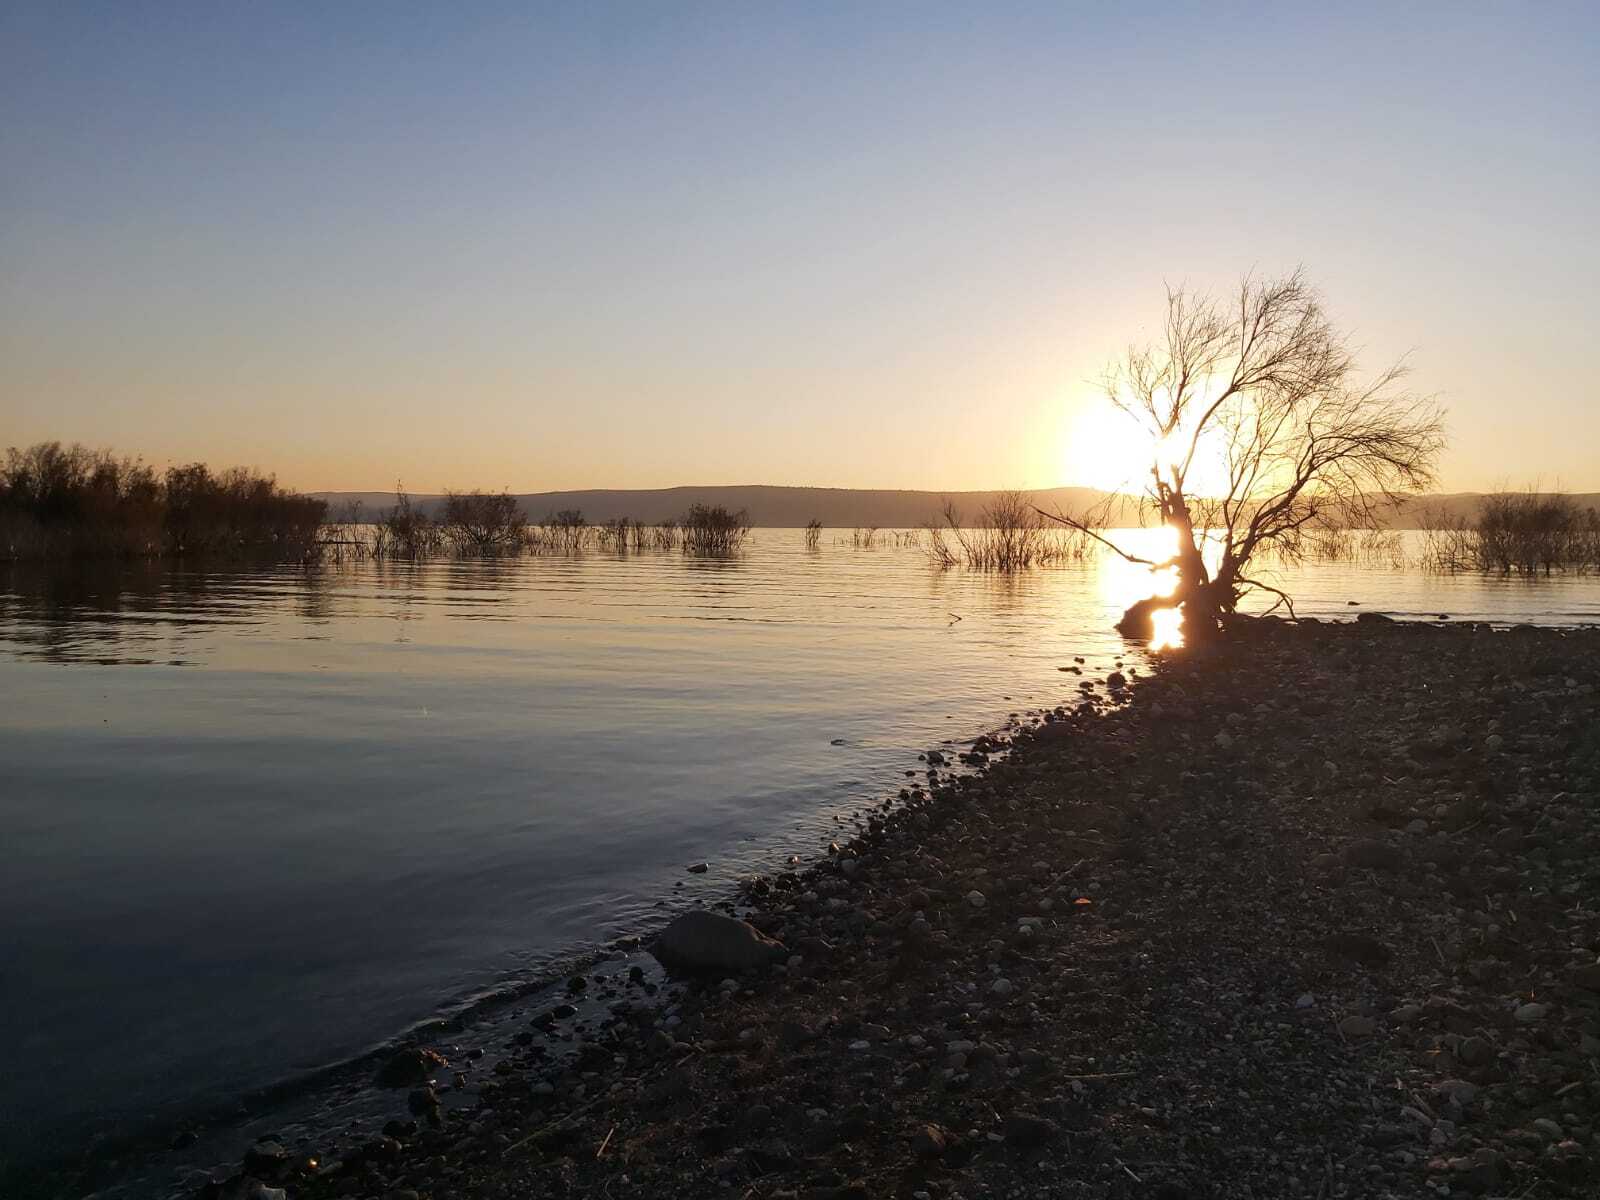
column 259, row 821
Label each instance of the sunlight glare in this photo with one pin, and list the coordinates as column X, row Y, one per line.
column 1166, row 629
column 1105, row 449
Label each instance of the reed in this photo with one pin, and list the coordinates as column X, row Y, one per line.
column 405, row 531
column 1009, row 535
column 345, row 534
column 567, row 531
column 665, row 536
column 1337, row 542
column 813, row 533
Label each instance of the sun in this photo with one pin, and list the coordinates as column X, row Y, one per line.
column 1105, row 448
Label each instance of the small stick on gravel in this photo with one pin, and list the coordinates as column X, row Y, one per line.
column 598, row 1153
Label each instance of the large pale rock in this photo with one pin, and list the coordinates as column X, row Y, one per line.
column 708, row 941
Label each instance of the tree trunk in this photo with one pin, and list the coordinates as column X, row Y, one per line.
column 1197, row 595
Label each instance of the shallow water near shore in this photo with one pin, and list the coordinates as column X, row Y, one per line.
column 262, row 820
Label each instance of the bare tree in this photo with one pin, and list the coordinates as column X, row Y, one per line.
column 1261, row 434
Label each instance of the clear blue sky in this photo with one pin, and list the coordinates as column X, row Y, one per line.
column 858, row 244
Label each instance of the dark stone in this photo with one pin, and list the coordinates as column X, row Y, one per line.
column 265, row 1158
column 241, row 1187
column 1475, row 1052
column 409, row 1067
column 1026, row 1131
column 708, row 941
column 929, row 1142
column 1358, row 947
column 422, row 1102
column 716, row 1138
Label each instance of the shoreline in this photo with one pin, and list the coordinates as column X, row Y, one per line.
column 1016, row 969
column 164, row 1154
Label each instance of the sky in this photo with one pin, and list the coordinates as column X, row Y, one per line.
column 860, row 245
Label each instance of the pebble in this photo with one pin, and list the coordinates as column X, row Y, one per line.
column 1358, row 1027
column 1026, row 1129
column 929, row 1142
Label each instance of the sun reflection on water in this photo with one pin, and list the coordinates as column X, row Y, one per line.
column 1123, row 583
column 1166, row 629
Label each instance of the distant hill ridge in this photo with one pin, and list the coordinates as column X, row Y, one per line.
column 792, row 507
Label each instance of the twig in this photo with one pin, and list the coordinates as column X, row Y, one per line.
column 1422, row 1105
column 1110, row 545
column 1128, row 1169
column 598, row 1153
column 577, row 1112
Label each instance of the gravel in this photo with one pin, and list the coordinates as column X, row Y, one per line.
column 1313, row 913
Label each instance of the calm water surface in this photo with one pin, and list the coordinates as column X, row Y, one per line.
column 258, row 821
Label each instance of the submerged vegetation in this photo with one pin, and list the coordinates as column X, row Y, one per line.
column 1010, row 535
column 713, row 529
column 72, row 502
column 478, row 524
column 403, row 531
column 69, row 502
column 483, row 523
column 1516, row 533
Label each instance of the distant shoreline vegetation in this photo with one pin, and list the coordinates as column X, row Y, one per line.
column 60, row 502
column 69, row 502
column 1516, row 533
column 477, row 524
